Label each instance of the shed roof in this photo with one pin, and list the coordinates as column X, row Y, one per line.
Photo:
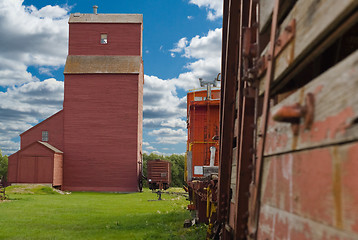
column 105, row 18
column 49, row 146
column 102, row 64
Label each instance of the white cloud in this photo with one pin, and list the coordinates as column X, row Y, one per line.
column 190, row 17
column 180, row 45
column 33, row 37
column 172, row 55
column 150, row 148
column 174, row 123
column 206, row 53
column 213, row 7
column 169, row 136
column 145, row 143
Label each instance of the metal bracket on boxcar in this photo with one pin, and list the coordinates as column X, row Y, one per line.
column 293, row 114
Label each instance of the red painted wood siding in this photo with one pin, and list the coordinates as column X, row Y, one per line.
column 35, row 165
column 123, row 39
column 58, row 170
column 54, row 126
column 101, row 132
column 140, row 118
column 12, row 168
column 311, row 194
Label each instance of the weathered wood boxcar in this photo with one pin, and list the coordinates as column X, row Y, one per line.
column 158, row 174
column 288, row 142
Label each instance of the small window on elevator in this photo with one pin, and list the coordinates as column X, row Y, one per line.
column 104, row 38
column 44, row 136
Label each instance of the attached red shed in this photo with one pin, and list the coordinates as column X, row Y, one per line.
column 39, row 162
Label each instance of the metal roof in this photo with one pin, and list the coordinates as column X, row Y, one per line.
column 76, row 64
column 49, row 146
column 105, row 18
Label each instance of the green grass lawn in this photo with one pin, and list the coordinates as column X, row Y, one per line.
column 40, row 213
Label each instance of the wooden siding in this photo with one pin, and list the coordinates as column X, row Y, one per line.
column 311, row 194
column 101, row 132
column 58, row 170
column 12, row 168
column 35, row 164
column 140, row 119
column 54, row 126
column 123, row 39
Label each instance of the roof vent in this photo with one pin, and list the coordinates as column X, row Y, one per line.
column 77, row 14
column 95, row 7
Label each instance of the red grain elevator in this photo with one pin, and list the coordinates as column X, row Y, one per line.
column 103, row 103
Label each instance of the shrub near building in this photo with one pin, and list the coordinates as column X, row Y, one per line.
column 3, row 166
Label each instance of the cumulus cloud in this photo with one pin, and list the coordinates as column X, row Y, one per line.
column 213, row 7
column 34, row 37
column 164, row 111
column 180, row 45
column 174, row 123
column 169, row 136
column 205, row 53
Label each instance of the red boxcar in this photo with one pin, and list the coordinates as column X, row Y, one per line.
column 158, row 174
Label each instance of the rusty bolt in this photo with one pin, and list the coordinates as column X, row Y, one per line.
column 269, row 57
column 250, row 167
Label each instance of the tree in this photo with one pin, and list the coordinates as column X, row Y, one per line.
column 3, row 166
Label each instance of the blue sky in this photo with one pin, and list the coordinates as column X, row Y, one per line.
column 181, row 42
